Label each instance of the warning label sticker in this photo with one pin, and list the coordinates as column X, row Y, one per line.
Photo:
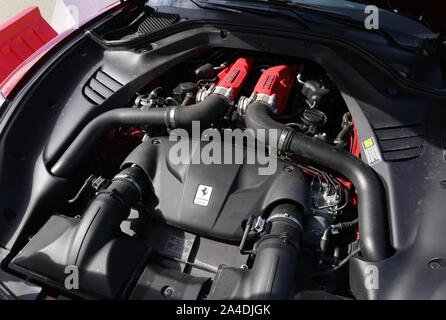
column 371, row 151
column 178, row 247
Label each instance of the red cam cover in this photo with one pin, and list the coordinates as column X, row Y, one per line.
column 235, row 76
column 277, row 81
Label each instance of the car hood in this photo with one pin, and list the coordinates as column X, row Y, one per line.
column 432, row 11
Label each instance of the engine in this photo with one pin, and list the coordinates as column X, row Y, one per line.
column 212, row 181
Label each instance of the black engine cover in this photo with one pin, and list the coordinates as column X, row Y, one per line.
column 215, row 199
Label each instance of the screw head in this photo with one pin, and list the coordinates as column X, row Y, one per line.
column 437, row 263
column 167, row 291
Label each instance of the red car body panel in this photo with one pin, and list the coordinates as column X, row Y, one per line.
column 20, row 37
column 24, row 27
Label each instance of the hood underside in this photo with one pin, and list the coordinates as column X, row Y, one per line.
column 433, row 12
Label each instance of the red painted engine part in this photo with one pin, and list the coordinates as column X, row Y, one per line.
column 355, row 149
column 277, row 81
column 235, row 76
column 118, row 143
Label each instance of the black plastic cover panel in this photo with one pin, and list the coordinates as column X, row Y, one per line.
column 214, row 200
column 159, row 283
column 157, row 21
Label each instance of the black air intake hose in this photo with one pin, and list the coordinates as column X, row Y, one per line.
column 373, row 226
column 107, row 259
column 207, row 111
column 277, row 254
column 275, row 264
column 102, row 219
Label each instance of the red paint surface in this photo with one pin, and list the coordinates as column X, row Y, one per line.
column 20, row 37
column 235, row 76
column 277, row 81
column 45, row 51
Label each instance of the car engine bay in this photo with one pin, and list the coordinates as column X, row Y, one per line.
column 273, row 197
column 229, row 240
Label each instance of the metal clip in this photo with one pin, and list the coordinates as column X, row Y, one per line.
column 93, row 182
column 255, row 224
column 259, row 224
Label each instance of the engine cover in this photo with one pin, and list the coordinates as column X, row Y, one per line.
column 214, row 200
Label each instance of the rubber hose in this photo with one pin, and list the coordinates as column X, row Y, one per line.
column 373, row 225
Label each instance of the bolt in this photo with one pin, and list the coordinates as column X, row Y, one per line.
column 436, row 264
column 167, row 291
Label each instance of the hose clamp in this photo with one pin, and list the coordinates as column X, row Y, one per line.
column 201, row 95
column 171, row 120
column 242, row 105
column 244, row 102
column 267, row 99
column 286, row 216
column 128, row 178
column 226, row 93
column 283, row 139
